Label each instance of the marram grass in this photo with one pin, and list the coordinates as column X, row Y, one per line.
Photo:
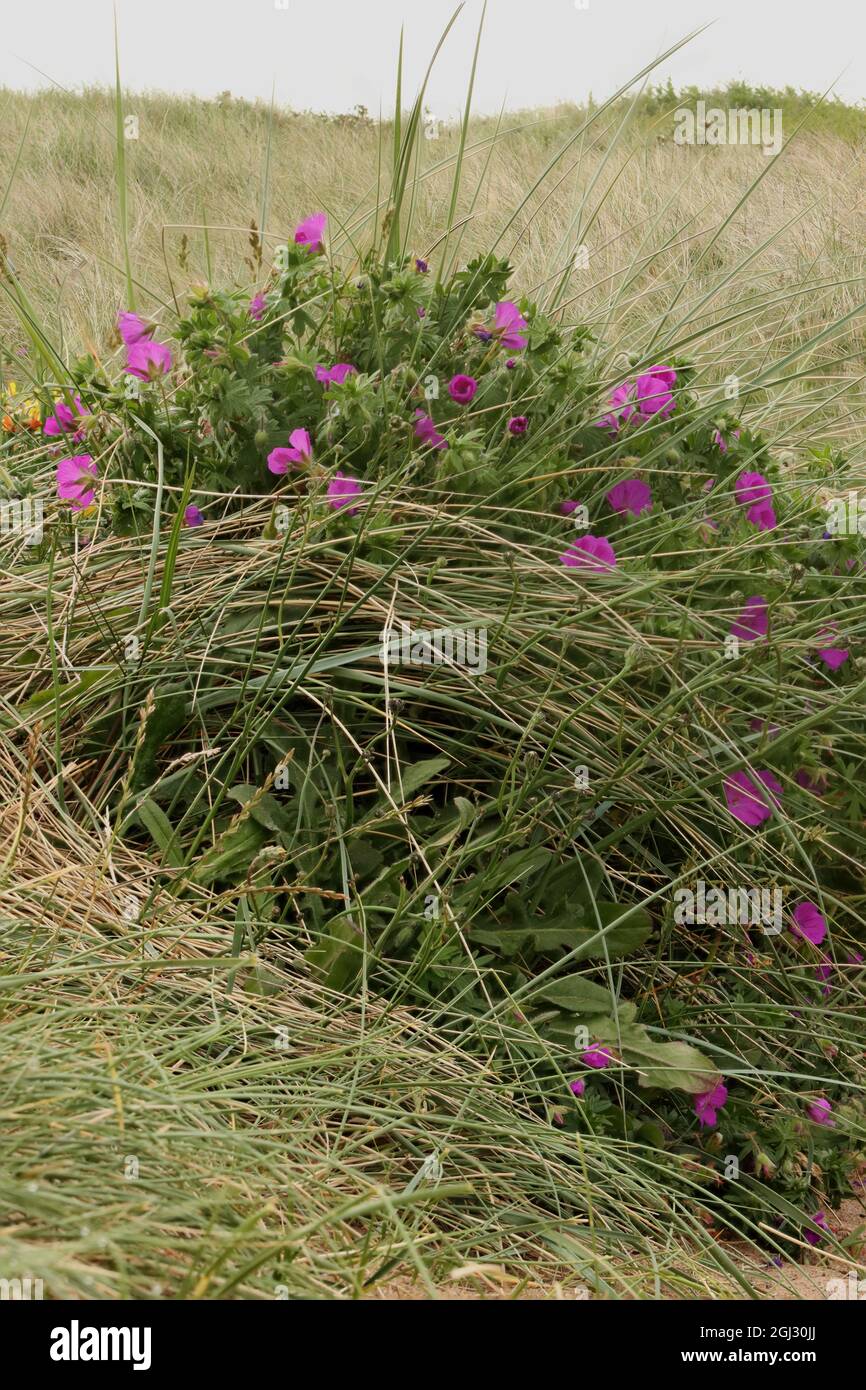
column 285, row 931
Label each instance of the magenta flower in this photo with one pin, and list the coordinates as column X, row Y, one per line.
column 517, row 424
column 257, row 307
column 649, row 395
column 631, row 495
column 311, row 231
column 754, row 492
column 568, row 507
column 708, row 1103
column 341, row 490
column 426, row 431
column 745, row 802
column 132, row 328
column 75, row 480
column 511, row 364
column 809, row 923
column 336, row 375
column 762, row 515
column 598, row 1057
column 832, row 657
column 148, row 360
column 192, row 516
column 752, row 488
column 590, row 552
column 752, row 621
column 577, row 1087
column 462, row 388
column 666, row 375
column 509, row 324
column 300, row 453
column 653, row 394
column 65, row 417
column 620, row 398
column 815, row 1237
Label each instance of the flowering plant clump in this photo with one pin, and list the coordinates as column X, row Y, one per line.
column 382, row 410
column 415, row 368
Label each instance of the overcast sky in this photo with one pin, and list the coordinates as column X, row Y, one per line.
column 336, row 54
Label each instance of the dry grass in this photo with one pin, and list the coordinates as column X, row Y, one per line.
column 667, row 246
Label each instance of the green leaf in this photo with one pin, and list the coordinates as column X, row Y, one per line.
column 232, row 855
column 651, row 1133
column 576, row 994
column 568, row 932
column 159, row 827
column 364, row 857
column 672, row 1066
column 669, row 1066
column 457, row 818
column 633, row 927
column 267, row 810
column 522, row 864
column 508, row 940
column 336, row 958
column 416, row 774
column 169, row 714
column 576, row 881
column 59, row 695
